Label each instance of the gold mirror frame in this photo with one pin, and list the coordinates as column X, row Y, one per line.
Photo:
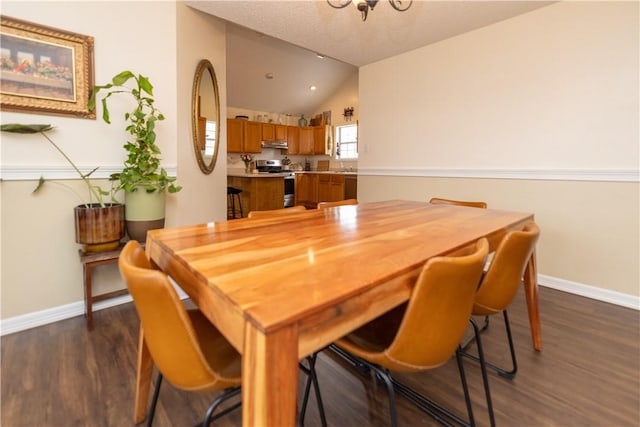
column 199, row 122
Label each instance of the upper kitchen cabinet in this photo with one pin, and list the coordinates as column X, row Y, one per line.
column 243, row 136
column 274, row 132
column 322, row 140
column 268, row 131
column 306, row 140
column 293, row 139
column 281, row 132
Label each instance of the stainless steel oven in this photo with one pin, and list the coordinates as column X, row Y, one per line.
column 289, row 191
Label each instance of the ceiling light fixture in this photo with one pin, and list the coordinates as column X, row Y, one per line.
column 312, row 87
column 364, row 5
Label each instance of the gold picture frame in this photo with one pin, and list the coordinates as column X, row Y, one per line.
column 45, row 70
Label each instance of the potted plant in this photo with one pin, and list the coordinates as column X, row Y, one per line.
column 99, row 225
column 142, row 178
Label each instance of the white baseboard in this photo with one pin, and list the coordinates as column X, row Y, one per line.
column 54, row 314
column 62, row 312
column 600, row 294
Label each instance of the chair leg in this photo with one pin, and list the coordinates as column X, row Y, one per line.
column 227, row 394
column 465, row 387
column 154, row 400
column 427, row 406
column 386, row 377
column 312, row 378
column 514, row 363
column 483, row 369
column 472, row 338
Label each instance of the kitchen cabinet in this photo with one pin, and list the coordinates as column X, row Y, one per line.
column 307, row 190
column 351, row 187
column 259, row 193
column 268, row 131
column 273, row 132
column 330, row 187
column 306, row 141
column 293, row 139
column 280, row 132
column 243, row 136
column 312, row 188
column 321, row 140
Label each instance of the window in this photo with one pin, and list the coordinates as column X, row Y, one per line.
column 347, row 142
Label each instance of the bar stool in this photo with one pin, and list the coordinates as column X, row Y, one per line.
column 233, row 194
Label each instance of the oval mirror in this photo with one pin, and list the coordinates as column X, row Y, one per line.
column 205, row 106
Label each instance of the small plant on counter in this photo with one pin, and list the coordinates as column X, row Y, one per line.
column 96, row 193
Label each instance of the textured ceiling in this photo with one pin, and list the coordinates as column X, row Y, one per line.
column 313, row 26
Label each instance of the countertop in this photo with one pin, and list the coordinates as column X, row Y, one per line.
column 243, row 174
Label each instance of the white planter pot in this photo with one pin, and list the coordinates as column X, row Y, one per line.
column 143, row 211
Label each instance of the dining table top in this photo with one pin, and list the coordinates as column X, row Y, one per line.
column 274, row 271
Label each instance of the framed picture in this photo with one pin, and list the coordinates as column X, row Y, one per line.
column 45, row 70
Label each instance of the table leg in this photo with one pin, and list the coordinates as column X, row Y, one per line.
column 143, row 380
column 88, row 300
column 531, row 294
column 269, row 377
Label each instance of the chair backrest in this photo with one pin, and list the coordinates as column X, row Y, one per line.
column 276, row 212
column 168, row 331
column 500, row 284
column 346, row 202
column 439, row 201
column 438, row 311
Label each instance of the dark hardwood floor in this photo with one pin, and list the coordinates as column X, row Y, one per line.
column 587, row 375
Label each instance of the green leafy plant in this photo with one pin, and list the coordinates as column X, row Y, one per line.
column 96, row 193
column 142, row 166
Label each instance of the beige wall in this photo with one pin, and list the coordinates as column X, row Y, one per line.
column 40, row 266
column 550, row 96
column 589, row 230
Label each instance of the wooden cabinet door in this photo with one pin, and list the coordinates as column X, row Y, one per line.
column 307, row 190
column 324, row 188
column 235, row 135
column 268, row 132
column 306, row 140
column 330, row 187
column 280, row 133
column 293, row 140
column 319, row 138
column 252, row 137
column 336, row 188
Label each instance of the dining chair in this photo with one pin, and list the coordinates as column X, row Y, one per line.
column 500, row 284
column 186, row 348
column 276, row 212
column 323, row 205
column 496, row 291
column 439, row 201
column 424, row 333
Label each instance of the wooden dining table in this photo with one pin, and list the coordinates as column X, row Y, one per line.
column 282, row 288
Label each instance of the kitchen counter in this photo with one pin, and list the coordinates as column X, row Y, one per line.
column 330, row 172
column 243, row 174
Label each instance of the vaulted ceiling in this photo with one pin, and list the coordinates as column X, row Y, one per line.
column 283, row 38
